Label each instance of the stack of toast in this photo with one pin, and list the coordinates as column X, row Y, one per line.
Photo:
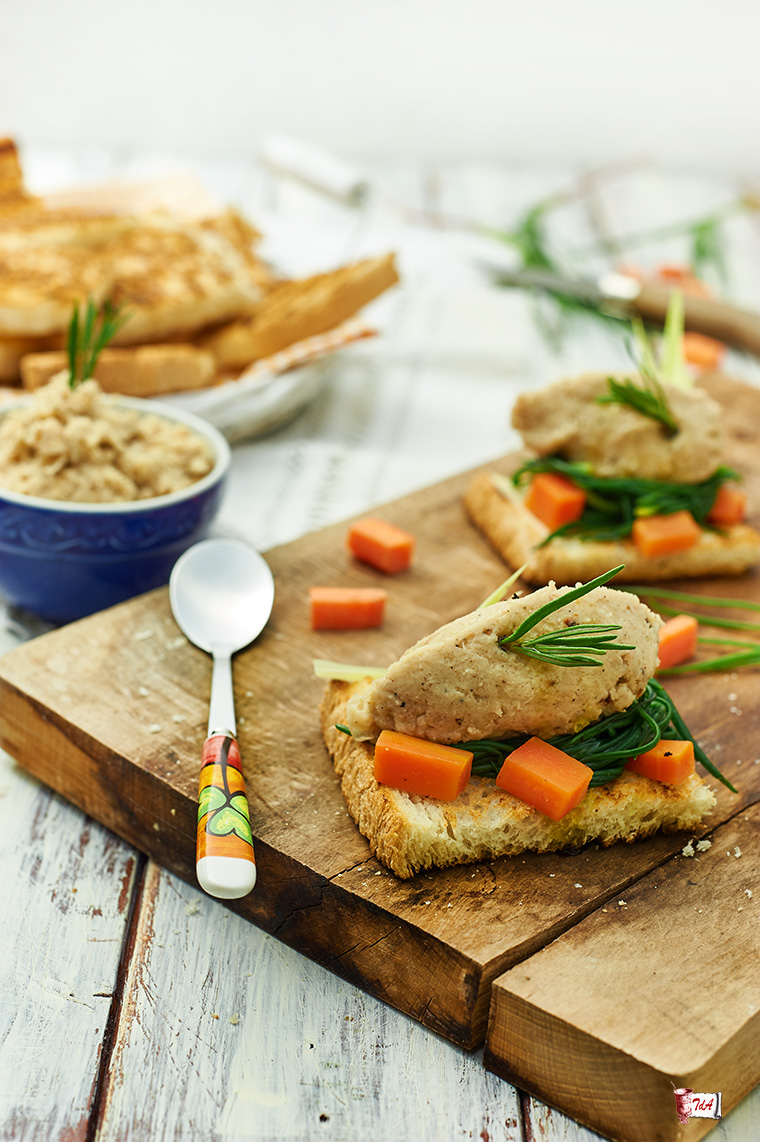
column 202, row 305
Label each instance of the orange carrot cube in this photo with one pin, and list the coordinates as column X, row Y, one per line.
column 545, row 777
column 665, row 534
column 678, row 640
column 381, row 544
column 555, row 500
column 729, row 507
column 423, row 767
column 702, row 351
column 669, row 761
column 346, row 608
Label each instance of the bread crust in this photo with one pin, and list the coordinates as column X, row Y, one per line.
column 139, row 371
column 409, row 833
column 515, row 533
column 301, row 308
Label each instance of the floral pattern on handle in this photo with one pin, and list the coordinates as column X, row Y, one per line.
column 224, row 826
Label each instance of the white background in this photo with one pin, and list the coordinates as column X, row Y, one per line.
column 584, row 80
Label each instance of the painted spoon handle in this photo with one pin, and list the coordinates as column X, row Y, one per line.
column 224, row 860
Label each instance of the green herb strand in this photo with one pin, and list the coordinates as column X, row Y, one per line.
column 614, row 502
column 570, row 645
column 655, row 592
column 607, row 744
column 648, row 399
column 87, row 338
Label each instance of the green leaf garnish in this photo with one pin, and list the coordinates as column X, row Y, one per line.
column 569, row 645
column 614, row 502
column 607, row 744
column 87, row 338
column 648, row 398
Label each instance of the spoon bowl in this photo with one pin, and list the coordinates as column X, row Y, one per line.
column 221, row 593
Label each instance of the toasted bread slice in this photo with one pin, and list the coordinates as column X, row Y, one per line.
column 12, row 352
column 295, row 310
column 516, row 534
column 409, row 833
column 39, row 287
column 33, row 228
column 244, row 237
column 173, row 278
column 139, row 371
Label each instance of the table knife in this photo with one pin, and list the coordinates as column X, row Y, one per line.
column 621, row 296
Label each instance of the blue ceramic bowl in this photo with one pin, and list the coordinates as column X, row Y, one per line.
column 63, row 560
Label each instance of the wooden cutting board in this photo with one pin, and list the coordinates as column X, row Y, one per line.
column 111, row 712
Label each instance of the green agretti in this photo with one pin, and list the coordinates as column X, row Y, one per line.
column 614, row 502
column 606, row 745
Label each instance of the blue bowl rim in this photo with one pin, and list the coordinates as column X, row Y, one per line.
column 215, row 438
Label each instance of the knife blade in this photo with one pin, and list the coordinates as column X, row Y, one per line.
column 621, row 296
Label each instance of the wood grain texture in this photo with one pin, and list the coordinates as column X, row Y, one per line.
column 128, row 755
column 59, row 962
column 252, row 1041
column 659, row 989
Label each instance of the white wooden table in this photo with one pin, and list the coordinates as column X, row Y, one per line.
column 132, row 1006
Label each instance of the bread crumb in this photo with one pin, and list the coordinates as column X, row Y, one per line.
column 703, row 846
column 234, row 1019
column 142, row 635
column 578, row 886
column 688, row 849
column 748, row 893
column 193, row 909
column 154, row 728
column 737, row 851
column 156, row 826
column 143, row 691
column 621, row 902
column 178, row 717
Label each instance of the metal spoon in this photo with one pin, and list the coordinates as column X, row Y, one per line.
column 221, row 593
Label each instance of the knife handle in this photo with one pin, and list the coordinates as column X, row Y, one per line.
column 737, row 327
column 224, row 860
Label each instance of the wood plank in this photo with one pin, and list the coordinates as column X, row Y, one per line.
column 63, row 909
column 111, row 711
column 641, row 997
column 251, row 1040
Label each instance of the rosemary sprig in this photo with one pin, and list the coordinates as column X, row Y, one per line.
column 648, row 399
column 87, row 337
column 568, row 645
column 607, row 744
column 614, row 502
